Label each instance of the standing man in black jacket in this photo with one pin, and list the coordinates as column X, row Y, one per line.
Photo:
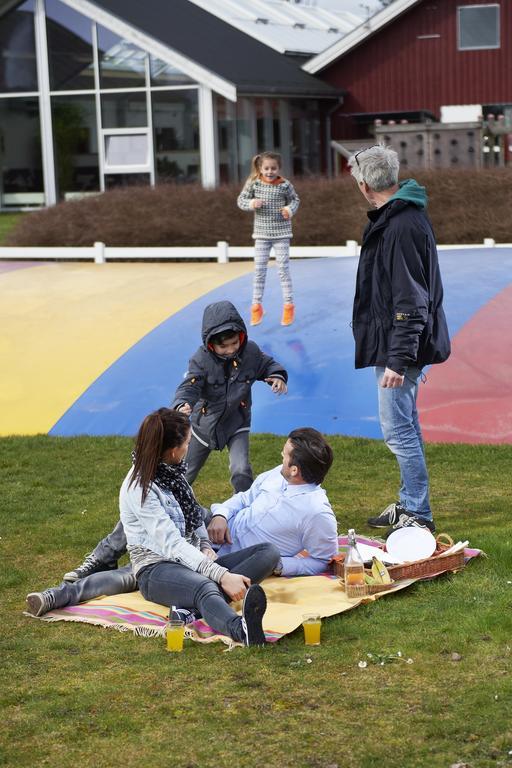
column 399, row 324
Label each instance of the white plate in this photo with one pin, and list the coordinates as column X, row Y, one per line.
column 408, row 544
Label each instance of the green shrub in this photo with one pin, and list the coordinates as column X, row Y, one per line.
column 465, row 207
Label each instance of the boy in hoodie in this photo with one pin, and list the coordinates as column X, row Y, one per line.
column 398, row 323
column 216, row 392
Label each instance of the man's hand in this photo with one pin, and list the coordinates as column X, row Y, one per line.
column 218, row 530
column 209, row 553
column 278, row 385
column 185, row 408
column 235, row 585
column 391, row 380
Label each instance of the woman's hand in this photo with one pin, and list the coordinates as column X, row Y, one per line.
column 235, row 585
column 209, row 553
column 285, row 213
column 185, row 408
column 256, row 203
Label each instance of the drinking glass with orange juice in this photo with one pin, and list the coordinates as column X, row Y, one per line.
column 174, row 634
column 312, row 623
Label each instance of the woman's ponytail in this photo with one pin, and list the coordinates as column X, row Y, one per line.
column 148, row 451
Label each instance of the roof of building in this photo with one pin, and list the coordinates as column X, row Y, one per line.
column 381, row 19
column 250, row 65
column 303, row 27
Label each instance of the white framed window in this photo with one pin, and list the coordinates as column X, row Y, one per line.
column 126, row 151
column 478, row 27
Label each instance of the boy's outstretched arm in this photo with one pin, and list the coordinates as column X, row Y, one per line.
column 190, row 389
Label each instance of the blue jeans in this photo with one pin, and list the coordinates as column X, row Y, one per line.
column 170, row 584
column 402, row 434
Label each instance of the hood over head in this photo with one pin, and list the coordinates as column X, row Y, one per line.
column 411, row 192
column 221, row 316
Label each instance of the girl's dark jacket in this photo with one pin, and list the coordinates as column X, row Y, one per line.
column 219, row 389
column 398, row 318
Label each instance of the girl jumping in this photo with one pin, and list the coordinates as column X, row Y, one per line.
column 274, row 202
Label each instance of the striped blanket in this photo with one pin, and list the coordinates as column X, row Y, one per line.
column 288, row 599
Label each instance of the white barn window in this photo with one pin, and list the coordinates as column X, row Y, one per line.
column 478, row 27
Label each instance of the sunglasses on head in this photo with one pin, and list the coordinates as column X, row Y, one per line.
column 360, row 152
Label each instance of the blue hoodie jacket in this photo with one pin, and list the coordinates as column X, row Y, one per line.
column 398, row 318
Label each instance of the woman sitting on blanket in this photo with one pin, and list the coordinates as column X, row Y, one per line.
column 170, row 553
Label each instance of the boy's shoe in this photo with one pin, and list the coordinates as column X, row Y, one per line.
column 412, row 521
column 253, row 610
column 90, row 565
column 388, row 517
column 256, row 314
column 288, row 314
column 39, row 603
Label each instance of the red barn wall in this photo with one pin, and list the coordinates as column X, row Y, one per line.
column 394, row 70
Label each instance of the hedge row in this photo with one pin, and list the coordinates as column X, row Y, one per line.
column 465, row 207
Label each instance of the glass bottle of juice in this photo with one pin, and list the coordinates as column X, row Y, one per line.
column 354, row 567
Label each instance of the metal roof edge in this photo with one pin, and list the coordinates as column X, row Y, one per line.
column 120, row 27
column 365, row 30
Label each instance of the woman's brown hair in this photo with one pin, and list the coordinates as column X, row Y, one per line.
column 161, row 430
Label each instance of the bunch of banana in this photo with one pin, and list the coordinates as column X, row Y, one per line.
column 379, row 572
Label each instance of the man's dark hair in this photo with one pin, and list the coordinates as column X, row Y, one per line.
column 310, row 453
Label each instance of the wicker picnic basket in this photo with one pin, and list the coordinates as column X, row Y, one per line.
column 418, row 569
column 430, row 566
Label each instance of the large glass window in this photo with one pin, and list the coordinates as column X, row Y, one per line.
column 246, row 135
column 176, row 135
column 18, row 70
column 70, row 53
column 165, row 74
column 267, row 124
column 75, row 145
column 21, row 177
column 479, row 27
column 124, row 110
column 305, row 137
column 122, row 64
column 226, row 139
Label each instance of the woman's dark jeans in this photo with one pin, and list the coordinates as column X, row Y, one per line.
column 174, row 584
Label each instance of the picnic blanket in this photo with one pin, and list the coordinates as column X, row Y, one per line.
column 288, row 599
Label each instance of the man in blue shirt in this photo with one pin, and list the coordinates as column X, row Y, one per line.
column 285, row 506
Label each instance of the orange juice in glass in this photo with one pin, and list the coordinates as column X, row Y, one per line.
column 174, row 634
column 312, row 624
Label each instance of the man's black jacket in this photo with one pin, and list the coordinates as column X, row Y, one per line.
column 398, row 319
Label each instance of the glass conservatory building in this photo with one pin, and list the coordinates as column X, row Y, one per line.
column 96, row 95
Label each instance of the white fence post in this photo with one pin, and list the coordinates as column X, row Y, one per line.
column 99, row 253
column 351, row 247
column 222, row 252
column 489, row 242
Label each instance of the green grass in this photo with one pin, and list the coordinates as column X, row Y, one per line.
column 7, row 223
column 79, row 695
